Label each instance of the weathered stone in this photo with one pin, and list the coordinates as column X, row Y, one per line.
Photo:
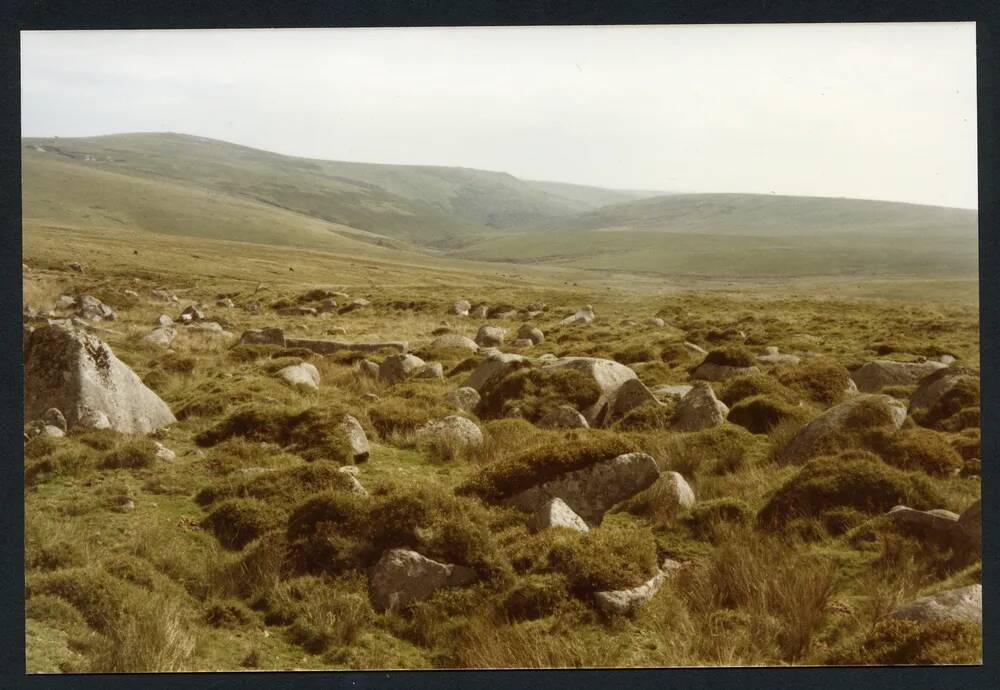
column 875, row 376
column 940, row 523
column 192, row 313
column 64, row 303
column 699, row 409
column 54, row 417
column 396, row 368
column 563, row 417
column 495, row 366
column 810, row 437
column 694, row 349
column 454, row 341
column 962, row 604
column 162, row 296
column 970, row 528
column 431, row 370
column 710, row 371
column 529, row 332
column 297, row 311
column 630, row 395
column 304, row 376
column 522, row 343
column 593, row 490
column 625, row 601
column 555, row 513
column 225, row 303
column 655, row 322
column 671, row 392
column 402, row 576
column 161, row 337
column 461, row 307
column 353, row 484
column 263, row 336
column 163, row 453
column 478, row 311
column 80, row 375
column 609, row 377
column 89, row 307
column 585, row 315
column 209, row 328
column 357, row 440
column 163, row 320
column 772, row 359
column 368, row 368
column 463, row 398
column 933, row 387
column 453, row 429
column 490, row 336
column 680, row 492
column 76, row 266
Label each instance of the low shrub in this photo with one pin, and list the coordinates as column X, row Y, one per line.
column 898, row 642
column 501, row 479
column 238, row 521
column 854, row 479
column 404, row 416
column 636, row 353
column 231, row 613
column 723, row 449
column 98, row 596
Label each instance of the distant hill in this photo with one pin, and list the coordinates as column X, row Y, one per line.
column 423, row 205
column 184, row 185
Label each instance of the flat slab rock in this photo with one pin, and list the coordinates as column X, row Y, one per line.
column 78, row 374
column 962, row 604
column 624, row 601
column 592, row 491
column 402, row 576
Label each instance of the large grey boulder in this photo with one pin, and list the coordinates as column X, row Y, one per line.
column 625, row 601
column 676, row 488
column 810, row 437
column 161, row 337
column 555, row 513
column 592, row 491
column 461, row 307
column 396, row 368
column 357, row 440
column 609, row 377
column 93, row 309
column 629, row 396
column 79, row 374
column 933, row 387
column 430, row 370
column 941, row 523
column 304, row 376
column 494, row 367
column 263, row 336
column 452, row 429
column 402, row 576
column 699, row 409
column 874, row 376
column 454, row 341
column 529, row 332
column 962, row 604
column 710, row 371
column 490, row 336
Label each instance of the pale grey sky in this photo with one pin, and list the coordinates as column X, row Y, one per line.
column 880, row 111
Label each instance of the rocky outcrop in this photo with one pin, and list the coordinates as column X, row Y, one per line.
column 357, row 440
column 834, row 421
column 529, row 332
column 675, row 393
column 875, row 376
column 161, row 337
column 263, row 336
column 461, row 307
column 940, row 523
column 563, row 417
column 494, row 367
column 463, row 398
column 677, row 489
column 78, row 374
column 396, row 368
column 962, row 604
column 625, row 601
column 592, row 491
column 402, row 576
column 490, row 336
column 699, row 409
column 969, row 529
column 452, row 429
column 933, row 387
column 629, row 396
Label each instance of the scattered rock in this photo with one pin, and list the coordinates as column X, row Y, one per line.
column 490, row 336
column 431, row 370
column 463, row 398
column 370, row 397
column 478, row 311
column 396, row 368
column 304, row 376
column 932, row 388
column 163, row 320
column 694, row 349
column 812, row 435
column 263, row 336
column 368, row 368
column 354, row 485
column 630, row 395
column 655, row 322
column 162, row 296
column 962, row 604
column 402, row 576
column 563, row 417
column 671, row 392
column 54, row 417
column 461, row 307
column 76, row 266
column 772, row 356
column 699, row 409
column 454, row 429
column 970, row 528
column 225, row 303
column 191, row 314
column 680, row 491
column 79, row 374
column 585, row 315
column 555, row 513
column 64, row 303
column 161, row 337
column 937, row 522
column 496, row 365
column 454, row 341
column 357, row 440
column 89, row 307
column 163, row 453
column 592, row 491
column 297, row 311
column 209, row 328
column 609, row 377
column 625, row 601
column 875, row 376
column 529, row 332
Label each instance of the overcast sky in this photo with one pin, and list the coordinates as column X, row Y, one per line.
column 881, row 111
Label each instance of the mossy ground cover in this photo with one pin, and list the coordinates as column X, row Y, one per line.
column 128, row 569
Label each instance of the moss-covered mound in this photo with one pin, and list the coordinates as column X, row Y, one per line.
column 853, row 479
column 647, row 417
column 819, row 380
column 535, row 391
column 956, row 410
column 915, row 449
column 902, row 642
column 238, row 521
column 732, row 356
column 541, row 463
column 705, row 516
column 761, row 413
column 750, row 385
column 286, row 486
column 312, row 432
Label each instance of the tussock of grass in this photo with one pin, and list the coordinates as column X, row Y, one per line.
column 901, row 642
column 133, row 453
column 535, row 596
column 501, row 479
column 282, row 487
column 649, row 416
column 853, row 479
column 752, row 385
column 732, row 356
column 535, row 391
column 238, row 521
column 706, row 517
column 761, row 413
column 916, row 449
column 956, row 410
column 819, row 380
